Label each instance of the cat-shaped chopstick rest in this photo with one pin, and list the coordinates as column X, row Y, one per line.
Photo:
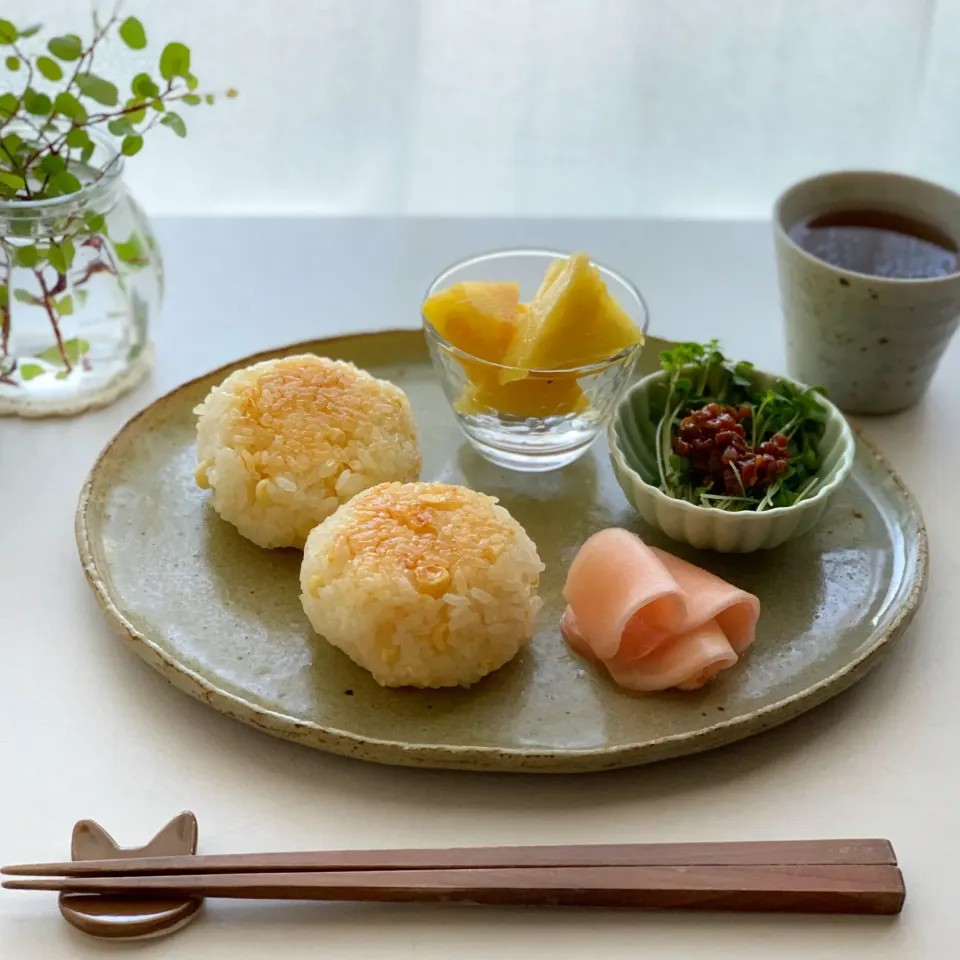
column 128, row 918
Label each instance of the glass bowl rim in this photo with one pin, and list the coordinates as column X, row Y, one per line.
column 616, row 359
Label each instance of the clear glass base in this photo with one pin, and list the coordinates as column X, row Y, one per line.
column 529, row 454
column 81, row 279
column 81, row 391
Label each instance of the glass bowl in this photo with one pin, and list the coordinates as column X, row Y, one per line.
column 531, row 420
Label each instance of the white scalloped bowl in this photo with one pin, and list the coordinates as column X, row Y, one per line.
column 632, row 450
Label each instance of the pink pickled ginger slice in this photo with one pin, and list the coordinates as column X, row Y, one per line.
column 653, row 620
column 616, row 581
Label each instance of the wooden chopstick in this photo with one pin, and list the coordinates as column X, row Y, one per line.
column 756, row 853
column 807, row 888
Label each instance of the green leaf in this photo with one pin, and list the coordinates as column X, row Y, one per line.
column 25, row 296
column 231, row 93
column 209, row 98
column 61, row 255
column 4, row 297
column 49, row 68
column 8, row 104
column 77, row 138
column 131, row 145
column 120, row 127
column 12, row 143
column 31, row 31
column 51, row 164
column 30, row 370
column 87, row 153
column 64, row 306
column 95, row 222
column 135, row 116
column 66, row 182
column 52, row 355
column 143, row 87
column 192, row 99
column 174, row 61
column 13, row 63
column 131, row 251
column 57, row 259
column 175, row 122
column 103, row 91
column 67, row 47
column 8, row 33
column 27, row 256
column 743, row 374
column 76, row 348
column 36, row 103
column 158, row 105
column 12, row 180
column 132, row 33
column 192, row 82
column 71, row 107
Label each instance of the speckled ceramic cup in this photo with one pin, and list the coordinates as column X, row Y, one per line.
column 873, row 342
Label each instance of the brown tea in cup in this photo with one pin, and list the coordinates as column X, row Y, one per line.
column 879, row 243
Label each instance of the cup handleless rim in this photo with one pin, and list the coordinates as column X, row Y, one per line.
column 781, row 230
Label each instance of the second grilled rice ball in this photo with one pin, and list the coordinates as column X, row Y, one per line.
column 283, row 443
column 423, row 584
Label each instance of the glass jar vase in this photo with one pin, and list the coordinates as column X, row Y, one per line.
column 80, row 280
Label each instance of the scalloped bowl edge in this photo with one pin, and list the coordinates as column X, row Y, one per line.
column 631, row 434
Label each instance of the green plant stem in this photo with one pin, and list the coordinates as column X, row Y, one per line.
column 13, row 163
column 54, row 144
column 98, row 35
column 5, row 310
column 23, row 117
column 28, row 82
column 92, row 269
column 811, row 483
column 110, row 263
column 99, row 118
column 52, row 314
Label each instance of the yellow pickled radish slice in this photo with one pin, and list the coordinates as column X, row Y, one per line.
column 553, row 271
column 476, row 316
column 573, row 321
column 531, row 397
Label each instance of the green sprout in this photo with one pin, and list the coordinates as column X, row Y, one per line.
column 699, row 374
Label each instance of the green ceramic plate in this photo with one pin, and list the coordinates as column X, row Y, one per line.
column 221, row 618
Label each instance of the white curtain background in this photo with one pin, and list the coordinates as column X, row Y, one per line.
column 661, row 108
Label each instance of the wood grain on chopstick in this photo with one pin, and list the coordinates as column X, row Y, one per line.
column 814, row 888
column 758, row 853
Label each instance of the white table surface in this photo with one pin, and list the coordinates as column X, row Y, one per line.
column 90, row 731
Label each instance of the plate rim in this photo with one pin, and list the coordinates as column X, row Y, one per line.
column 483, row 758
